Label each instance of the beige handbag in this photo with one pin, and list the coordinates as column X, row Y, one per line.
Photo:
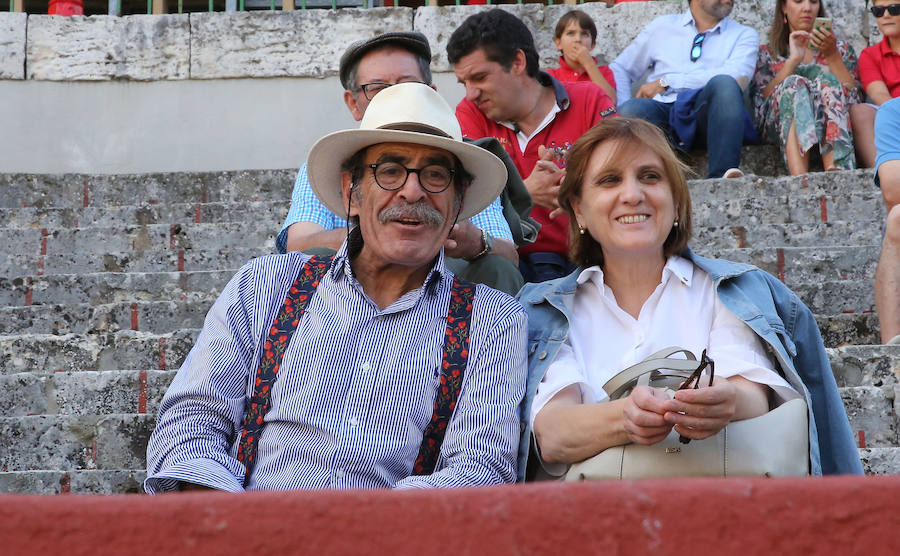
column 775, row 444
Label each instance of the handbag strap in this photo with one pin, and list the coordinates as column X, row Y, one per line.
column 283, row 328
column 662, row 359
column 453, row 368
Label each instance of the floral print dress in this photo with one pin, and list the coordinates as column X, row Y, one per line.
column 812, row 98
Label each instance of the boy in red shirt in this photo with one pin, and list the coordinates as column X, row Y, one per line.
column 575, row 36
column 879, row 71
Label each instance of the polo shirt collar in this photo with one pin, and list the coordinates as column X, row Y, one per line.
column 547, row 80
column 884, row 48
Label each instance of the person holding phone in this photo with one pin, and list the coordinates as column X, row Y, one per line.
column 805, row 83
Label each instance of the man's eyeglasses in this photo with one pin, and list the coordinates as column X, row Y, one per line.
column 391, row 176
column 693, row 381
column 878, row 11
column 374, row 87
column 697, row 47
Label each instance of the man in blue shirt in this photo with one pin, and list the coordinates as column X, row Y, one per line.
column 699, row 62
column 392, row 373
column 481, row 249
column 887, row 175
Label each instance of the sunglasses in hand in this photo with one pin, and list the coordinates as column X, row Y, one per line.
column 693, row 381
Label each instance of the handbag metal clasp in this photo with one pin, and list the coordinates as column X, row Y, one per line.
column 674, row 450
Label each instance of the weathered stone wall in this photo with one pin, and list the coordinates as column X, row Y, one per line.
column 309, row 43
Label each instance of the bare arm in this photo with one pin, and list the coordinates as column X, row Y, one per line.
column 465, row 243
column 545, row 179
column 304, row 235
column 825, row 41
column 568, row 431
column 878, row 92
column 583, row 55
column 705, row 411
column 797, row 44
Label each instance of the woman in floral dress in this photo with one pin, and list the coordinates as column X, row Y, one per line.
column 805, row 82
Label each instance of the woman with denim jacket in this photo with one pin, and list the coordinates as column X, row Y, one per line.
column 638, row 289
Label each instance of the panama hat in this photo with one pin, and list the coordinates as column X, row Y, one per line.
column 405, row 113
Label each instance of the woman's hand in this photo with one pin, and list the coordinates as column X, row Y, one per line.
column 825, row 42
column 798, row 42
column 702, row 412
column 643, row 415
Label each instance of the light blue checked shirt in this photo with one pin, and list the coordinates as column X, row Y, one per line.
column 306, row 207
column 664, row 46
column 355, row 392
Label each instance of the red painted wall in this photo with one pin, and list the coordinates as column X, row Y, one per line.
column 843, row 515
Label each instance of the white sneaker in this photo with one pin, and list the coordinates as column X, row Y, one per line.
column 894, row 341
column 733, row 173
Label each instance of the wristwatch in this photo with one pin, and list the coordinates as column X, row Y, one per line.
column 663, row 82
column 488, row 242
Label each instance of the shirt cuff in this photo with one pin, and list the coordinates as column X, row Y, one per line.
column 199, row 471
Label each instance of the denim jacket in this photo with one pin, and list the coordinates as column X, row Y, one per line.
column 786, row 326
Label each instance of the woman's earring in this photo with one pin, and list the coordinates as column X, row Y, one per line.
column 784, row 18
column 581, row 230
column 675, row 224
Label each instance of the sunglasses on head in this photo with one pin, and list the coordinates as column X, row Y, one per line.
column 697, row 47
column 878, row 11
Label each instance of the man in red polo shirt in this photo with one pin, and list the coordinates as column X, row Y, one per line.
column 879, row 71
column 535, row 117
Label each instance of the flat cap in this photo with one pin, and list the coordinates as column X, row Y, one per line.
column 410, row 40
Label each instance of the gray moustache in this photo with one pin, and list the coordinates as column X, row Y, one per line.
column 421, row 211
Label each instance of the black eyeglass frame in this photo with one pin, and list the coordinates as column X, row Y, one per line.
column 878, row 11
column 416, row 171
column 697, row 46
column 694, row 379
column 372, row 88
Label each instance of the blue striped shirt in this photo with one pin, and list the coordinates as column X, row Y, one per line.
column 355, row 391
column 306, row 207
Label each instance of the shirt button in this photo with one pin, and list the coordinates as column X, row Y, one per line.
column 366, row 367
column 354, row 421
column 340, row 473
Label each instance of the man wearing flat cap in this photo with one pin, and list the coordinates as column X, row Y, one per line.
column 375, row 368
column 481, row 249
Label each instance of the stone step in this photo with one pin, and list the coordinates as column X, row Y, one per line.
column 807, row 264
column 760, row 160
column 813, row 184
column 124, row 481
column 153, row 237
column 877, row 365
column 874, row 412
column 125, row 349
column 798, row 205
column 168, row 260
column 174, row 213
column 84, row 190
column 880, row 461
column 794, row 265
column 108, row 442
column 140, row 391
column 83, row 318
column 849, row 329
column 83, row 392
column 154, row 311
column 112, row 287
column 716, row 238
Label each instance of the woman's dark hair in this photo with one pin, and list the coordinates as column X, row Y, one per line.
column 500, row 34
column 628, row 133
column 778, row 35
column 584, row 21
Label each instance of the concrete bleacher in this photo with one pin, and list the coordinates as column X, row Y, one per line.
column 106, row 281
column 106, row 278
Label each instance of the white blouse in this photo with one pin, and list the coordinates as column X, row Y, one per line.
column 683, row 310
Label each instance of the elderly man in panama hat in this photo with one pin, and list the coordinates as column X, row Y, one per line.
column 374, row 368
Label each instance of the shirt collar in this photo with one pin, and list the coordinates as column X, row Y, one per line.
column 341, row 267
column 688, row 19
column 676, row 267
column 547, row 80
column 884, row 48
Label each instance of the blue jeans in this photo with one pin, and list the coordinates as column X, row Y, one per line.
column 720, row 113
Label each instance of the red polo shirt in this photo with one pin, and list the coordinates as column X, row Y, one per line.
column 565, row 73
column 880, row 63
column 582, row 105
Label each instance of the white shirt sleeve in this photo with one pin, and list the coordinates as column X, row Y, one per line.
column 737, row 350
